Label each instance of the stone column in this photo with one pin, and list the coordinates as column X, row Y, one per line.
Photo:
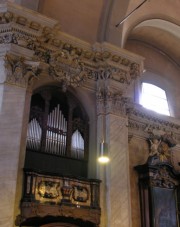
column 115, row 191
column 13, row 85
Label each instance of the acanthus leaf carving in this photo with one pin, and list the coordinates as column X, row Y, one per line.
column 69, row 63
column 110, row 100
column 20, row 72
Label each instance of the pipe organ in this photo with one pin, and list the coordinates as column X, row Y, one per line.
column 52, row 131
column 56, row 134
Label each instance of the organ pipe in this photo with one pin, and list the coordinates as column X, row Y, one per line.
column 55, row 137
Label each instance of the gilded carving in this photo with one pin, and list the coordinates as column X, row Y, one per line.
column 116, row 58
column 21, row 20
column 35, row 26
column 60, row 196
column 6, row 17
column 80, row 193
column 161, row 178
column 160, row 151
column 48, row 189
column 66, row 191
column 125, row 62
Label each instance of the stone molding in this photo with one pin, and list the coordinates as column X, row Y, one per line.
column 143, row 124
column 71, row 64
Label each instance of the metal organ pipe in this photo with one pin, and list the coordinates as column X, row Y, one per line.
column 55, row 135
column 34, row 135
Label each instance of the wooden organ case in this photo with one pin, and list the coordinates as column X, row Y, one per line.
column 159, row 187
column 56, row 188
column 57, row 135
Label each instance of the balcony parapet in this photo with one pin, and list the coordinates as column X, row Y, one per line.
column 50, row 195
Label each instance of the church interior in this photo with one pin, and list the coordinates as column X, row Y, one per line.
column 90, row 113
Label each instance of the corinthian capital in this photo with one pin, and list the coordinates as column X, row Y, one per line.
column 19, row 71
column 109, row 99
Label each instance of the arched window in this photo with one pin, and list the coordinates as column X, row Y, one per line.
column 58, row 127
column 154, row 98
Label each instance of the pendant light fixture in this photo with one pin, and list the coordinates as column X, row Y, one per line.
column 103, row 156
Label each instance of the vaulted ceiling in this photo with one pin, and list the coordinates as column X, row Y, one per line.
column 154, row 26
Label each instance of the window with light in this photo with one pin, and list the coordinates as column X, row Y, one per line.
column 154, row 98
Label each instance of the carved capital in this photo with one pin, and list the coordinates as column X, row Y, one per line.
column 110, row 101
column 19, row 71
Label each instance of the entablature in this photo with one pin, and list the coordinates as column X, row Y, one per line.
column 69, row 60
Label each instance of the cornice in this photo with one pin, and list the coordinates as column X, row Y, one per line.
column 22, row 12
column 143, row 123
column 70, row 60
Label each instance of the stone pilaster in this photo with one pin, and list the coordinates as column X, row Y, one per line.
column 13, row 89
column 118, row 186
column 112, row 127
column 12, row 108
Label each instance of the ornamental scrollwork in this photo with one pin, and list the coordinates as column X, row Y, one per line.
column 6, row 17
column 67, row 62
column 80, row 193
column 49, row 189
column 161, row 178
